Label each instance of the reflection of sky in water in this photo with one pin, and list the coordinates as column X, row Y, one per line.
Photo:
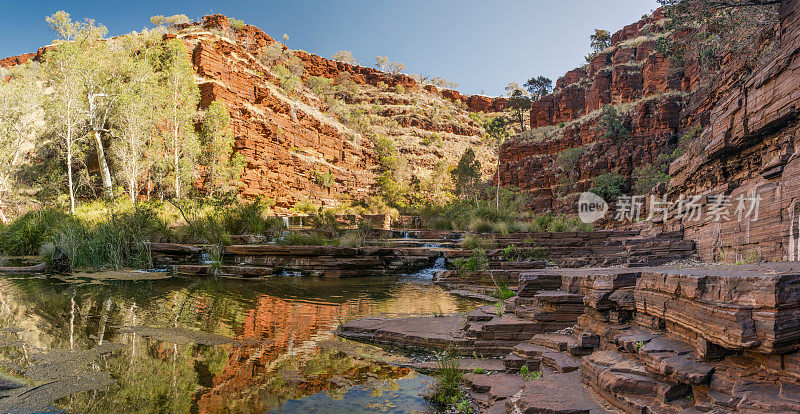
column 403, row 397
column 277, row 326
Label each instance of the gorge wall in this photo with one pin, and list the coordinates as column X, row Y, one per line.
column 749, row 147
column 747, row 144
column 290, row 139
column 641, row 83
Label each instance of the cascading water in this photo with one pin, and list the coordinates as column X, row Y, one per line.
column 427, row 274
column 286, row 221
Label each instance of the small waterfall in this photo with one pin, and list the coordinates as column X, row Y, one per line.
column 205, row 258
column 285, row 221
column 427, row 274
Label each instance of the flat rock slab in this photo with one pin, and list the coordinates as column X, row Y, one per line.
column 556, row 394
column 414, row 332
column 498, row 387
column 464, row 364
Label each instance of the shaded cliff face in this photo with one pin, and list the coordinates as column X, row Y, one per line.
column 749, row 147
column 644, row 87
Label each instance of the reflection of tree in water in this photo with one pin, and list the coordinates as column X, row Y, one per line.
column 276, row 355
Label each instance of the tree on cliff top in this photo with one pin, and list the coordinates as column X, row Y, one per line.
column 538, row 87
column 599, row 41
column 384, row 65
column 344, row 56
column 496, row 133
column 519, row 105
column 711, row 30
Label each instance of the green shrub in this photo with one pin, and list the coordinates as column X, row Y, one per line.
column 448, row 372
column 320, row 85
column 476, row 262
column 249, row 218
column 609, row 186
column 288, row 80
column 236, row 24
column 324, row 179
column 25, row 235
column 611, row 125
column 352, row 239
column 472, row 242
column 503, row 292
column 294, row 238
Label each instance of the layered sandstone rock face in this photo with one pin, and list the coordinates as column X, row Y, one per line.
column 288, row 140
column 640, row 82
column 749, row 147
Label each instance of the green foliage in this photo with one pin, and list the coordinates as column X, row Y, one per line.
column 320, row 85
column 288, row 80
column 609, row 186
column 649, row 175
column 294, row 238
column 476, row 262
column 538, row 87
column 519, row 104
column 25, row 235
column 324, row 179
column 568, row 159
column 496, row 130
column 599, row 41
column 250, row 218
column 236, row 24
column 611, row 125
column 527, row 375
column 223, row 167
column 432, row 139
column 503, row 293
column 467, row 174
column 472, row 242
column 448, row 391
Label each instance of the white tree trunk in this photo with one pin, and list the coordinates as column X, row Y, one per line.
column 69, row 158
column 105, row 172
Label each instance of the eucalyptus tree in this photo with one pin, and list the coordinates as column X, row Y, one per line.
column 496, row 133
column 21, row 120
column 178, row 100
column 62, row 70
column 137, row 111
column 223, row 166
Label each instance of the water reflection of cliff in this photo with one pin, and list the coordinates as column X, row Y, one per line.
column 276, row 328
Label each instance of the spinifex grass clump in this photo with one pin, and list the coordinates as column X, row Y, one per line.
column 100, row 235
column 482, row 216
column 448, row 392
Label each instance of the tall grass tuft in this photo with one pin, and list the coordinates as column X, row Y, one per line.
column 448, row 392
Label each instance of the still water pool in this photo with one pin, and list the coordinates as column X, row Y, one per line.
column 205, row 345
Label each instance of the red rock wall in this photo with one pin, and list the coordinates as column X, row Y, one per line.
column 626, row 73
column 284, row 142
column 750, row 146
column 533, row 166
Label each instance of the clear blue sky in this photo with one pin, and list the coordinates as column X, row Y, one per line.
column 481, row 44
